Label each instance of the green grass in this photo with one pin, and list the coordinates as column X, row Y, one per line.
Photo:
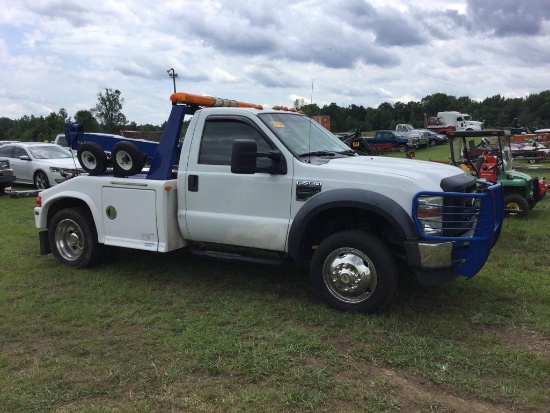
column 173, row 332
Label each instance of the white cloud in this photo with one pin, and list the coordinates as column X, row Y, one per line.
column 58, row 54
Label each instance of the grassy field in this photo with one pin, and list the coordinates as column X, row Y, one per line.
column 176, row 333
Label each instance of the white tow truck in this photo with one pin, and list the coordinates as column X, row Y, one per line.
column 276, row 181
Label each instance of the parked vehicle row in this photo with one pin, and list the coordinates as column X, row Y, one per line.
column 40, row 164
column 392, row 140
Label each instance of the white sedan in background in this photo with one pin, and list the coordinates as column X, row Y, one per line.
column 40, row 164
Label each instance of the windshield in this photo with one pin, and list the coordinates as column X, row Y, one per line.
column 49, row 152
column 459, row 146
column 507, row 161
column 302, row 135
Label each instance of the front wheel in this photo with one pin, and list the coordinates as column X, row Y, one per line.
column 354, row 271
column 516, row 206
column 73, row 238
column 41, row 180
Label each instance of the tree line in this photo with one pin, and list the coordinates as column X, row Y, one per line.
column 496, row 111
column 107, row 116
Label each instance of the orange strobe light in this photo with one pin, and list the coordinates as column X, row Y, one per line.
column 191, row 99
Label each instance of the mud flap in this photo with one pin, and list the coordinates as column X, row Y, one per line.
column 44, row 243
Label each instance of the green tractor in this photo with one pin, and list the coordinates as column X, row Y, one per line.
column 490, row 159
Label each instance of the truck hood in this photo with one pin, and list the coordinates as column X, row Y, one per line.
column 383, row 165
column 393, row 176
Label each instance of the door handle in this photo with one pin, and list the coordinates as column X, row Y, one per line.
column 193, row 183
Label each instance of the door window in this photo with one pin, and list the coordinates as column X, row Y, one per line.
column 19, row 152
column 217, row 141
column 6, row 151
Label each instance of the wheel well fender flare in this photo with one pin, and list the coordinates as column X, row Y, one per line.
column 72, row 201
column 354, row 198
column 37, row 171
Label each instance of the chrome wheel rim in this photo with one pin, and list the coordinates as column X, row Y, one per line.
column 40, row 181
column 69, row 240
column 349, row 275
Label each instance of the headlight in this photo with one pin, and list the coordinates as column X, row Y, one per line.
column 65, row 172
column 430, row 214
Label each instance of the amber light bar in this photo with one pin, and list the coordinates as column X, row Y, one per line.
column 191, row 99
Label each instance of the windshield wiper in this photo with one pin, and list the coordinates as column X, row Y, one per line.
column 348, row 152
column 317, row 153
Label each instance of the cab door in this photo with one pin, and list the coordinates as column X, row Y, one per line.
column 234, row 209
column 22, row 168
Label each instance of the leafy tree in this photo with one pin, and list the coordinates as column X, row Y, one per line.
column 87, row 120
column 311, row 110
column 299, row 104
column 55, row 123
column 6, row 129
column 109, row 110
column 337, row 115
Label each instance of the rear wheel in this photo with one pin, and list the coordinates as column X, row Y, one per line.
column 41, row 180
column 354, row 271
column 127, row 159
column 402, row 148
column 516, row 206
column 73, row 238
column 92, row 158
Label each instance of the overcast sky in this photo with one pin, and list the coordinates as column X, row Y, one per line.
column 61, row 53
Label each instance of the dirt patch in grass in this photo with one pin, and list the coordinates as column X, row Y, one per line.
column 422, row 395
column 521, row 338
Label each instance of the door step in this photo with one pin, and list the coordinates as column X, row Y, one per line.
column 234, row 257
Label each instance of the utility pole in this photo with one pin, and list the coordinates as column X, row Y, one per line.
column 173, row 75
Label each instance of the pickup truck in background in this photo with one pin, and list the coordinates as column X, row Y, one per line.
column 276, row 182
column 383, row 138
column 408, row 131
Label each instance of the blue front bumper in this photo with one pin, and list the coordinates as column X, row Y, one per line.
column 471, row 226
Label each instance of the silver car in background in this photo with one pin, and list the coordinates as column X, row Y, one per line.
column 40, row 164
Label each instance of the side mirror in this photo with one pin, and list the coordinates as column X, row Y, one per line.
column 243, row 156
column 25, row 158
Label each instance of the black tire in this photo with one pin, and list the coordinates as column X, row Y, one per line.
column 518, row 203
column 73, row 238
column 3, row 189
column 127, row 159
column 402, row 148
column 41, row 180
column 92, row 158
column 354, row 271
